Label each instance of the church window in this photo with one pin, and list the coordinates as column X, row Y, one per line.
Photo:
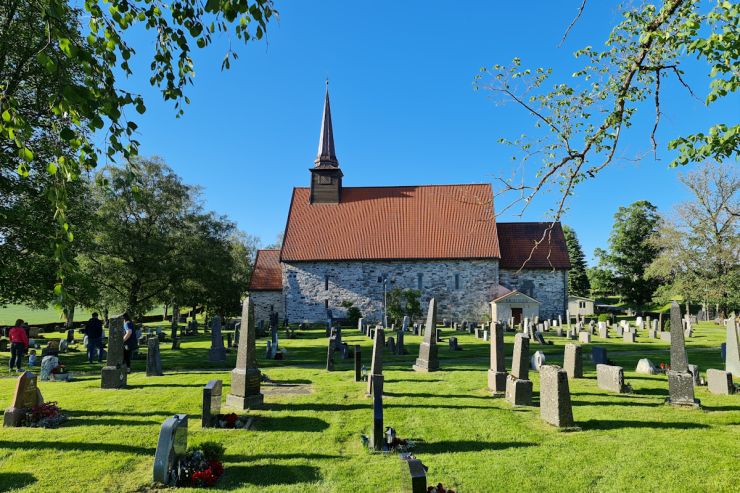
column 457, row 281
column 419, row 281
column 326, row 283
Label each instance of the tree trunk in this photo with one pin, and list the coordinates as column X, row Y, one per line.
column 69, row 316
column 164, row 316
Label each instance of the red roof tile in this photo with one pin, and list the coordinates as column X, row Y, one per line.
column 267, row 274
column 386, row 223
column 518, row 239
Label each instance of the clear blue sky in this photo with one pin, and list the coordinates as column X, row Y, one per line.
column 404, row 109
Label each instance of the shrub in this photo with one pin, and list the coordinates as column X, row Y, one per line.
column 603, row 317
column 353, row 313
column 211, row 450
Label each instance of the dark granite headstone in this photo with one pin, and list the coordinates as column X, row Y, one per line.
column 330, row 355
column 400, row 347
column 358, row 363
column 376, row 364
column 427, row 360
column 680, row 380
column 217, row 352
column 245, row 377
column 417, row 475
column 518, row 385
column 378, row 430
column 172, row 444
column 211, row 403
column 153, row 358
column 114, row 374
column 598, row 355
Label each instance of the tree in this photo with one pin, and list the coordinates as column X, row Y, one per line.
column 402, row 302
column 580, row 124
column 631, row 252
column 54, row 38
column 578, row 282
column 700, row 244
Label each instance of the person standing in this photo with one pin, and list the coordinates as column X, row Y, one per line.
column 18, row 344
column 94, row 332
column 130, row 343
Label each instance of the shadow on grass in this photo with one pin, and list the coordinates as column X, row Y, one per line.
column 256, row 457
column 606, row 424
column 433, row 396
column 290, row 423
column 721, row 408
column 285, row 383
column 394, row 380
column 106, row 413
column 612, row 403
column 77, row 446
column 268, row 475
column 151, row 385
column 15, row 480
column 467, row 446
column 108, row 422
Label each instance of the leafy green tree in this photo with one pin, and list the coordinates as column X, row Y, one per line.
column 83, row 49
column 578, row 282
column 402, row 302
column 631, row 252
column 579, row 124
column 700, row 244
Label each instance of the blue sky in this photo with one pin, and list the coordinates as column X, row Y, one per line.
column 404, row 109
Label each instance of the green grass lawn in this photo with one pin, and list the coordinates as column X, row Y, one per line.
column 307, row 443
column 10, row 313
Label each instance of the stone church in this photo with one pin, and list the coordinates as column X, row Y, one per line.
column 341, row 242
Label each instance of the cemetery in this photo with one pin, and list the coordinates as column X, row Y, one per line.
column 306, row 425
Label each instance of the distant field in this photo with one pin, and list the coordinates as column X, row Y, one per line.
column 10, row 313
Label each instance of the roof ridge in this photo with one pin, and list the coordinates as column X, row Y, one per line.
column 414, row 186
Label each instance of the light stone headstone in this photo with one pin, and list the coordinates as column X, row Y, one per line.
column 245, row 377
column 26, row 396
column 584, row 337
column 172, row 443
column 646, row 367
column 611, row 378
column 427, row 360
column 573, row 361
column 537, row 360
column 555, row 405
column 720, row 382
column 732, row 347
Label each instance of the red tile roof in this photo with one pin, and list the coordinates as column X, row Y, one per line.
column 518, row 239
column 267, row 273
column 386, row 223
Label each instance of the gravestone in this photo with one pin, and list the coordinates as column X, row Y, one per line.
column 358, row 363
column 629, row 337
column 114, row 374
column 175, row 324
column 573, row 361
column 518, row 385
column 427, row 360
column 330, row 355
column 555, row 405
column 153, row 358
column 378, row 430
column 680, row 380
column 453, row 344
column 245, row 377
column 719, row 382
column 70, row 336
column 584, row 337
column 732, row 347
column 665, row 337
column 27, row 396
column 360, row 325
column 646, row 367
column 538, row 359
column 620, row 330
column 694, row 370
column 391, row 344
column 172, row 443
column 400, row 346
column 376, row 363
column 211, row 403
column 497, row 370
column 611, row 378
column 486, row 336
column 417, row 475
column 603, row 330
column 217, row 352
column 405, row 325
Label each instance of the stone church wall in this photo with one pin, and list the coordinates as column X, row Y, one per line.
column 264, row 302
column 307, row 291
column 548, row 287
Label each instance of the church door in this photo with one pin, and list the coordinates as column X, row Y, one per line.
column 516, row 314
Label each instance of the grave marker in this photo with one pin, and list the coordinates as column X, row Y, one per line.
column 497, row 370
column 245, row 377
column 153, row 358
column 217, row 352
column 719, row 382
column 573, row 361
column 611, row 378
column 26, row 396
column 358, row 363
column 172, row 443
column 378, row 430
column 732, row 347
column 114, row 374
column 518, row 385
column 555, row 405
column 376, row 363
column 211, row 407
column 680, row 380
column 427, row 360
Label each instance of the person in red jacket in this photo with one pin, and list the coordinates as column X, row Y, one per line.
column 18, row 344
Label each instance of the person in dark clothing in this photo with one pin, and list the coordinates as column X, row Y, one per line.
column 18, row 345
column 130, row 344
column 94, row 332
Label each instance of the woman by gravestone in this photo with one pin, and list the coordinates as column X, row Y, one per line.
column 130, row 342
column 18, row 344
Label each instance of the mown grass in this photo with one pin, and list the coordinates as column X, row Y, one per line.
column 10, row 313
column 468, row 440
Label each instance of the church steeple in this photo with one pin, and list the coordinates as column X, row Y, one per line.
column 326, row 155
column 326, row 177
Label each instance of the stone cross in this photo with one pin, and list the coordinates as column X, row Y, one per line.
column 27, row 396
column 497, row 370
column 732, row 347
column 245, row 377
column 114, row 374
column 153, row 358
column 376, row 364
column 555, row 405
column 427, row 360
column 211, row 403
column 378, row 430
column 172, row 443
column 680, row 379
column 217, row 352
column 573, row 361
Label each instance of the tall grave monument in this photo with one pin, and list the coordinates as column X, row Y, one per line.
column 497, row 371
column 376, row 364
column 518, row 384
column 680, row 379
column 245, row 377
column 427, row 360
column 732, row 348
column 115, row 373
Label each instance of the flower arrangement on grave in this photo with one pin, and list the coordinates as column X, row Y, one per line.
column 231, row 421
column 439, row 489
column 201, row 466
column 46, row 415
